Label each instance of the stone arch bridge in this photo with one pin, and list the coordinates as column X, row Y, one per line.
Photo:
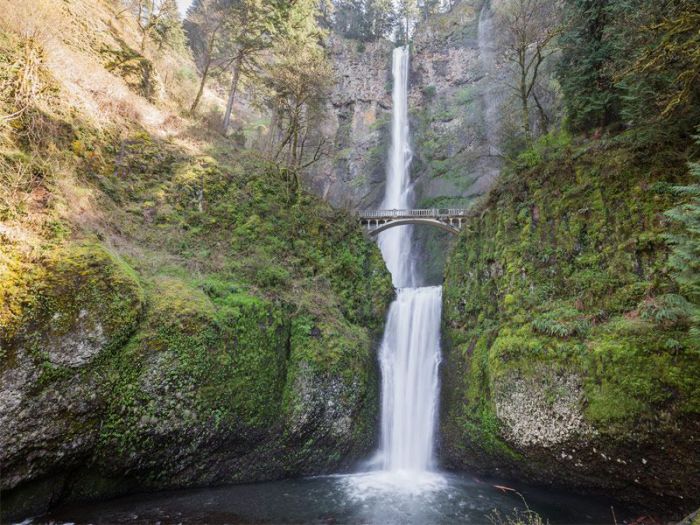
column 450, row 220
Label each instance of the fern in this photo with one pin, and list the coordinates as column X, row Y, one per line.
column 685, row 256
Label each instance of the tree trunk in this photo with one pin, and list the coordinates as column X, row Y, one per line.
column 205, row 74
column 525, row 109
column 232, row 92
column 544, row 119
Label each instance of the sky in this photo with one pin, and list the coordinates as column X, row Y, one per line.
column 183, row 5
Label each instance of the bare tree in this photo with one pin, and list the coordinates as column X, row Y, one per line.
column 527, row 33
column 206, row 20
column 157, row 19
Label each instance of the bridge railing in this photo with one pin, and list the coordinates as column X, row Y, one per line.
column 429, row 212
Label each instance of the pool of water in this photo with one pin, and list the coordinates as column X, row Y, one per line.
column 372, row 498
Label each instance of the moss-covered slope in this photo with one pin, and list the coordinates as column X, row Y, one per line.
column 566, row 359
column 175, row 310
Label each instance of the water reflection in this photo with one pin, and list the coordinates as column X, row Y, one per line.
column 380, row 498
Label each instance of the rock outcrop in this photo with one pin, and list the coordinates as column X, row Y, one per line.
column 559, row 366
column 107, row 388
column 358, row 125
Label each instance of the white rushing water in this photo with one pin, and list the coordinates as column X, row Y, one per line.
column 410, row 352
column 395, row 243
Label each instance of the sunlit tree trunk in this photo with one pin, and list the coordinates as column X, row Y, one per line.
column 232, row 90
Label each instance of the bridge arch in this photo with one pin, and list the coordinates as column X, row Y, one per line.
column 404, row 222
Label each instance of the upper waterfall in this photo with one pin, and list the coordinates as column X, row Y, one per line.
column 396, row 244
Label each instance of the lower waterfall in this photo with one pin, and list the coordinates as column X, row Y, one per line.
column 410, row 355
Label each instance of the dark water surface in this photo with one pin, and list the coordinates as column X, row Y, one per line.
column 374, row 498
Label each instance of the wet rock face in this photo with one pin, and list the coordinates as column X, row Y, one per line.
column 357, row 125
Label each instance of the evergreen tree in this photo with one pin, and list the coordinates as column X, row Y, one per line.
column 685, row 256
column 365, row 20
column 590, row 95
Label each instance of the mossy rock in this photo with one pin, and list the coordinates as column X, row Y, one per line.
column 565, row 362
column 79, row 301
column 81, row 304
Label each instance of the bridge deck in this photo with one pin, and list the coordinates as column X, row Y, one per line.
column 445, row 218
column 436, row 213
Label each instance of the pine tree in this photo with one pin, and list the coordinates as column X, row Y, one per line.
column 251, row 28
column 364, row 20
column 590, row 95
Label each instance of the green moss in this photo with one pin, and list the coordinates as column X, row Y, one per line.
column 76, row 290
column 632, row 374
column 565, row 264
column 223, row 360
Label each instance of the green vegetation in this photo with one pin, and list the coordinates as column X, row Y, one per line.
column 631, row 62
column 166, row 289
column 580, row 284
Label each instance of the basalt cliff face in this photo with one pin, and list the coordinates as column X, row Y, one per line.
column 357, row 126
column 456, row 96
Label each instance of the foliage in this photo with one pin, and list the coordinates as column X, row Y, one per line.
column 665, row 73
column 528, row 32
column 158, row 22
column 631, row 62
column 590, row 95
column 364, row 20
column 229, row 37
column 580, row 283
column 685, row 256
column 299, row 85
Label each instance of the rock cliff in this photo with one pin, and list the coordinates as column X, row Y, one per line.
column 358, row 125
column 565, row 361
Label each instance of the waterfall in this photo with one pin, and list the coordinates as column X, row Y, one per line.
column 491, row 85
column 410, row 351
column 395, row 243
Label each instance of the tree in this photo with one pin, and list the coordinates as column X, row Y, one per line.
column 528, row 29
column 380, row 18
column 365, row 20
column 231, row 36
column 299, row 84
column 250, row 26
column 685, row 256
column 592, row 100
column 158, row 20
column 429, row 7
column 205, row 22
column 406, row 14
